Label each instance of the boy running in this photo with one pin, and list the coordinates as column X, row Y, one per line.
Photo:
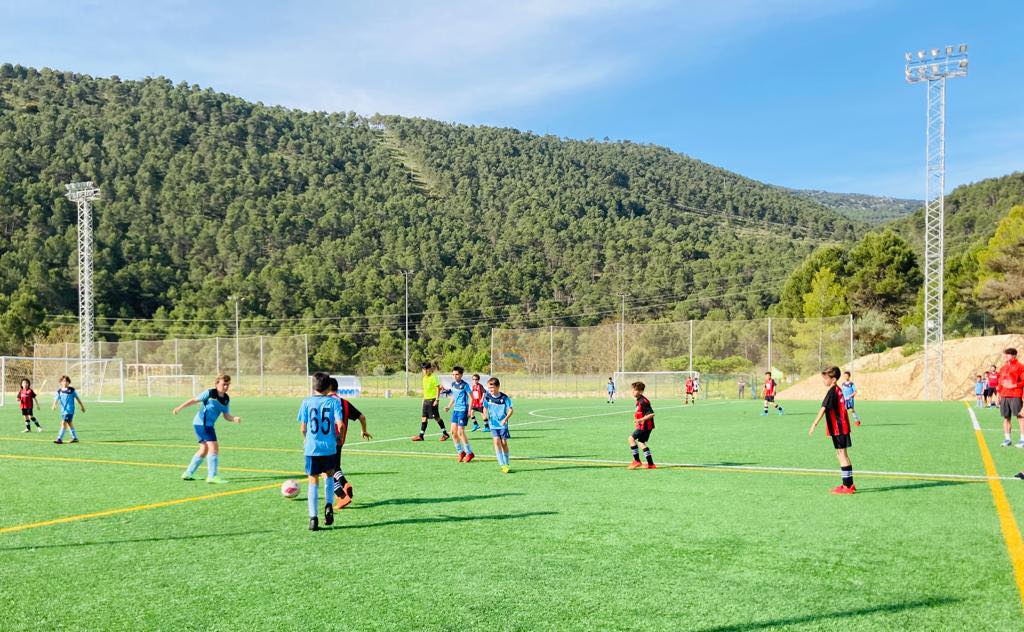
column 610, row 387
column 849, row 392
column 979, row 391
column 460, row 415
column 67, row 396
column 212, row 404
column 688, row 398
column 320, row 419
column 476, row 401
column 837, row 426
column 27, row 400
column 342, row 487
column 1010, row 387
column 497, row 412
column 643, row 426
column 431, row 393
column 769, row 394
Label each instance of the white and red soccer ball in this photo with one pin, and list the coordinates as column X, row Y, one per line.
column 289, row 489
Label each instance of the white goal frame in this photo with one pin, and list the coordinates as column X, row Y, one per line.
column 69, row 365
column 655, row 379
column 152, row 378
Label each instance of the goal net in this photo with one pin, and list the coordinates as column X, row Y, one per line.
column 95, row 380
column 179, row 386
column 658, row 384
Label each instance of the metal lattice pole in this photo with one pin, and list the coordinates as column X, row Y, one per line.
column 933, row 70
column 83, row 194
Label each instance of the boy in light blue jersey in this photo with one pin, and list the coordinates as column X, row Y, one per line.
column 849, row 392
column 213, row 403
column 611, row 390
column 497, row 411
column 980, row 384
column 459, row 405
column 66, row 396
column 320, row 420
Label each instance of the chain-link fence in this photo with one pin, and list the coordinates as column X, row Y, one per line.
column 577, row 361
column 258, row 365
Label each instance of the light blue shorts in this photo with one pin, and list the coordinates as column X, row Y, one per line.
column 460, row 417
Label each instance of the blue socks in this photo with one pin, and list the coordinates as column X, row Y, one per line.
column 211, row 466
column 502, row 457
column 328, row 492
column 312, row 493
column 194, row 465
column 74, row 435
column 458, row 447
column 469, row 450
column 60, row 434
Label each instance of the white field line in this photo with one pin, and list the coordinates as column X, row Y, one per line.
column 712, row 466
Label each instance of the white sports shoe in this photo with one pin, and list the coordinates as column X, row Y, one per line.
column 1020, row 444
column 1006, row 443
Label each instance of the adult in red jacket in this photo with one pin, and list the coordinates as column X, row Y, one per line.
column 1011, row 388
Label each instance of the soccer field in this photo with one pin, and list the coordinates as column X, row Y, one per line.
column 736, row 531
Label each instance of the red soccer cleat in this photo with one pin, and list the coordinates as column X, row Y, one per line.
column 843, row 490
column 469, row 457
column 651, row 466
column 341, row 502
column 462, row 456
column 418, row 438
column 347, row 488
column 444, row 437
column 635, row 465
column 857, row 423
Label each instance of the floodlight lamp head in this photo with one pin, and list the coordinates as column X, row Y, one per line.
column 963, row 48
column 87, row 190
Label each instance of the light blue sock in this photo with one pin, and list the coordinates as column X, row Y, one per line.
column 328, row 491
column 74, row 435
column 458, row 447
column 501, row 458
column 60, row 434
column 211, row 465
column 312, row 491
column 469, row 450
column 194, row 465
column 506, row 457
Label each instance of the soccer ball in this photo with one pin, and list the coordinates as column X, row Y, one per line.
column 289, row 489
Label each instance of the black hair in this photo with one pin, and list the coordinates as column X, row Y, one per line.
column 321, row 382
column 334, row 384
column 458, row 369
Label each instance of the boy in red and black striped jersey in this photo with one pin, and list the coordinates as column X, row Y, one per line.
column 837, row 426
column 769, row 394
column 644, row 425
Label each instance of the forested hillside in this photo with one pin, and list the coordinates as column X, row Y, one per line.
column 873, row 209
column 309, row 220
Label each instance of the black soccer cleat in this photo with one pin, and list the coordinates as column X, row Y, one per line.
column 74, row 441
column 314, row 524
column 1019, row 475
column 328, row 515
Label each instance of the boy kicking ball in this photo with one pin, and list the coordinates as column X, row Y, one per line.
column 497, row 412
column 837, row 426
column 644, row 425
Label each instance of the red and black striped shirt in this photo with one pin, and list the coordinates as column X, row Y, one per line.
column 837, row 421
column 644, row 408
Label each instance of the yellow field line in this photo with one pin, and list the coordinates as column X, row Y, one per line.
column 1011, row 532
column 111, row 512
column 69, row 459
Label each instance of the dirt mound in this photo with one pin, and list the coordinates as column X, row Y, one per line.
column 892, row 376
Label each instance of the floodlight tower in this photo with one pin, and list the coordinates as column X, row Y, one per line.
column 933, row 68
column 83, row 194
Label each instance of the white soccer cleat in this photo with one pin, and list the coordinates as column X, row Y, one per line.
column 1020, row 444
column 1006, row 443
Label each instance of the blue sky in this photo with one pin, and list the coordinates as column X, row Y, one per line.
column 799, row 93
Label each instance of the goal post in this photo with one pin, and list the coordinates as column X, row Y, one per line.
column 100, row 380
column 661, row 384
column 179, row 386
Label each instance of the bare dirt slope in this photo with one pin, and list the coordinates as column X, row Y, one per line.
column 891, row 376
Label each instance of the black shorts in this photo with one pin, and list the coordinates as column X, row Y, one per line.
column 317, row 465
column 841, row 441
column 642, row 435
column 989, row 392
column 26, row 412
column 1010, row 407
column 769, row 399
column 477, row 408
column 430, row 409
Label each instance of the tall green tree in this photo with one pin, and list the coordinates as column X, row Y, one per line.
column 883, row 275
column 1000, row 285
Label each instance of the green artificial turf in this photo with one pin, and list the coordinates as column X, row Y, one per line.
column 568, row 540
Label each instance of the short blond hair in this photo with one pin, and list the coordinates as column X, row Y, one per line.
column 223, row 377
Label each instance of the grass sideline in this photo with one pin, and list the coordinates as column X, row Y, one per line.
column 743, row 537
